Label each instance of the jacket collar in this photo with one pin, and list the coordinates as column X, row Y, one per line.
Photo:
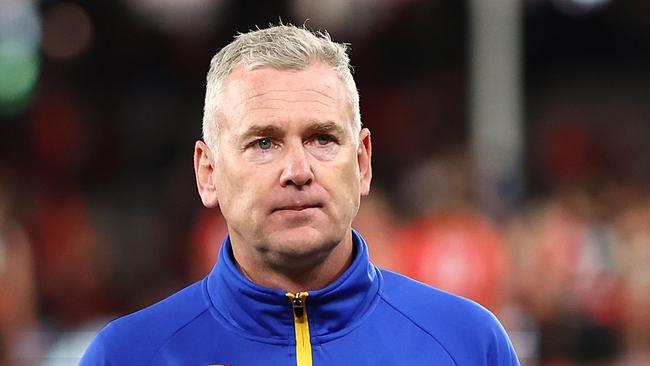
column 256, row 311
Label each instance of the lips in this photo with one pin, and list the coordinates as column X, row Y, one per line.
column 298, row 207
column 294, row 208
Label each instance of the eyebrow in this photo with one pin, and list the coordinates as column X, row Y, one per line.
column 327, row 127
column 261, row 131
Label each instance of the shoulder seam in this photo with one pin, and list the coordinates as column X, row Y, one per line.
column 163, row 344
column 381, row 295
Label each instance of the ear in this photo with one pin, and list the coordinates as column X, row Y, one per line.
column 204, row 168
column 364, row 158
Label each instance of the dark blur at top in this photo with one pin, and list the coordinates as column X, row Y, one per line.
column 101, row 101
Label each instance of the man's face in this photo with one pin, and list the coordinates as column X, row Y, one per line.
column 290, row 169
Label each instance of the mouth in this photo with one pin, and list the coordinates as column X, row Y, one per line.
column 297, row 208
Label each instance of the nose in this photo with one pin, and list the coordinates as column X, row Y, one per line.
column 297, row 169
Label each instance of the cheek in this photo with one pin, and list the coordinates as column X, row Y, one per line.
column 235, row 186
column 252, row 189
column 342, row 181
column 352, row 174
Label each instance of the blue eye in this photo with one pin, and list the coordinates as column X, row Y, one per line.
column 323, row 139
column 265, row 143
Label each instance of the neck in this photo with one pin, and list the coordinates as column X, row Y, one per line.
column 296, row 274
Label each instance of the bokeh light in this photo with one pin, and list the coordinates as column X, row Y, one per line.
column 189, row 17
column 67, row 31
column 577, row 7
column 355, row 17
column 19, row 62
column 18, row 75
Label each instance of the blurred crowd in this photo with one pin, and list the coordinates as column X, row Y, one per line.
column 99, row 215
column 568, row 274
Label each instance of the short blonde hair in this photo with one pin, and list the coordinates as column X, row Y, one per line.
column 281, row 47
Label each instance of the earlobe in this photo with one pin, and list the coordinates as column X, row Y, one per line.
column 364, row 156
column 204, row 173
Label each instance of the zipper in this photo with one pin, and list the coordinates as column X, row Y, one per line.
column 303, row 341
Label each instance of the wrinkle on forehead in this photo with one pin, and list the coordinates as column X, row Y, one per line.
column 250, row 83
column 331, row 102
column 289, row 102
column 248, row 90
column 248, row 97
column 253, row 96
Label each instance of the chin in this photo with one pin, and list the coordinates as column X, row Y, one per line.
column 302, row 242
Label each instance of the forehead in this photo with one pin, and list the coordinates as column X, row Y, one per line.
column 316, row 92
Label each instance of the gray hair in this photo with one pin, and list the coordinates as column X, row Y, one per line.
column 281, row 47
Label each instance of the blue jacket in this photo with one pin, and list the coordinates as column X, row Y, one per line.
column 368, row 316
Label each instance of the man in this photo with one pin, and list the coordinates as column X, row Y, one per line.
column 286, row 160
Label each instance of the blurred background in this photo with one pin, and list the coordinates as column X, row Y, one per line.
column 511, row 160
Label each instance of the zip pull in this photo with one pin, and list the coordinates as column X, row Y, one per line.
column 298, row 305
